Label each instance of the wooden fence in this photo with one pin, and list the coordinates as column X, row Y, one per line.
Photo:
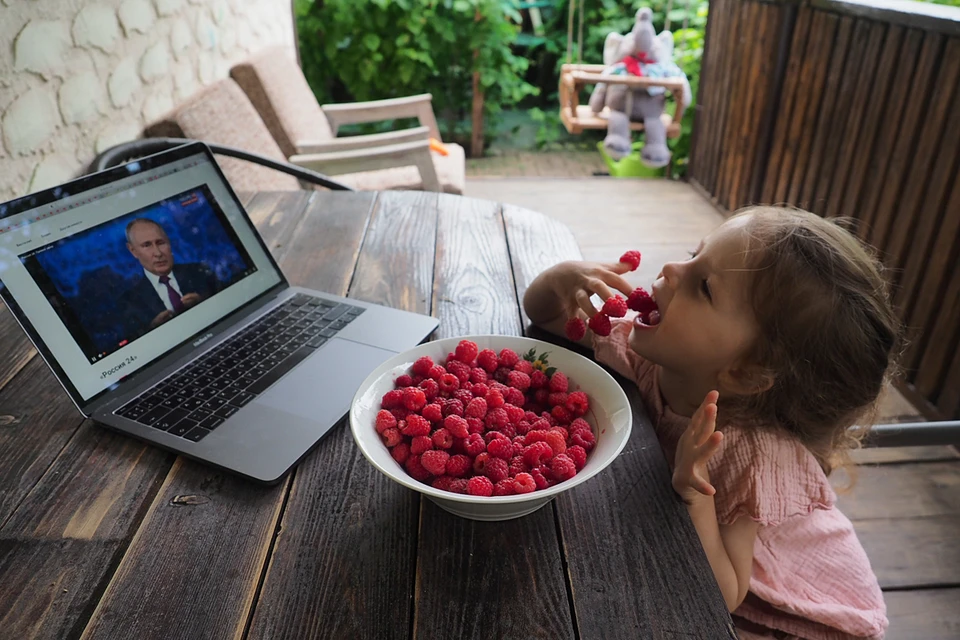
column 849, row 109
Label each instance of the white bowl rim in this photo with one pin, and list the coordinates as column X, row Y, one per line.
column 549, row 492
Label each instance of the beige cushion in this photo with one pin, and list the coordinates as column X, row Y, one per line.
column 278, row 90
column 222, row 114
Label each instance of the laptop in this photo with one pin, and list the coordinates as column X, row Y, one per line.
column 149, row 293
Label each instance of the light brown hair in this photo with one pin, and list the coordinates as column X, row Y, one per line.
column 829, row 336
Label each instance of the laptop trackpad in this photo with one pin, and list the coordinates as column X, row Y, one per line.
column 322, row 387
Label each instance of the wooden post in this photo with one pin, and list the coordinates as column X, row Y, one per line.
column 476, row 138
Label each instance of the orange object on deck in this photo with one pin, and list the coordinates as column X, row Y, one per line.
column 439, row 147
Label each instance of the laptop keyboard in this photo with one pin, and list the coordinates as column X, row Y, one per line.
column 197, row 399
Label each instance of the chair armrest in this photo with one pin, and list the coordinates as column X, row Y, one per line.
column 419, row 106
column 398, row 155
column 370, row 141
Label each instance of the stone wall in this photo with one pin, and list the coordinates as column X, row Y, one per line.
column 77, row 77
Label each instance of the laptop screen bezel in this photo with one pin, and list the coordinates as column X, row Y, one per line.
column 92, row 181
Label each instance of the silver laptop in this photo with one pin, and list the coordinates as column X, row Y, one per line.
column 151, row 296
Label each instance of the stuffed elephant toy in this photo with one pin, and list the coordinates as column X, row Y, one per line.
column 640, row 52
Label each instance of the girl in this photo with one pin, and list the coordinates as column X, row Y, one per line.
column 779, row 330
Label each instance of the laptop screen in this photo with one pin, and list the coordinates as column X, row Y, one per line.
column 116, row 275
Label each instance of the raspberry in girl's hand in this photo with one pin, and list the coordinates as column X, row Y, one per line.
column 575, row 329
column 615, row 307
column 600, row 324
column 631, row 258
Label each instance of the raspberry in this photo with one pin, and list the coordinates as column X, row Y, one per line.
column 641, row 301
column 524, row 483
column 506, row 487
column 416, row 469
column 518, row 447
column 480, row 390
column 453, row 408
column 436, row 372
column 432, row 412
column 459, row 485
column 474, row 445
column 422, row 366
column 615, row 307
column 538, row 379
column 436, row 461
column 585, row 439
column 557, row 442
column 514, row 396
column 456, row 425
column 492, row 435
column 580, row 424
column 466, row 351
column 480, row 486
column 536, row 435
column 557, row 398
column 540, row 477
column 559, row 382
column 537, row 453
column 403, row 381
column 524, row 366
column 459, row 369
column 496, row 469
column 385, row 420
column 575, row 329
column 600, row 324
column 509, row 430
column 478, row 375
column 416, row 380
column 420, row 444
column 560, row 414
column 500, row 448
column 523, row 427
column 579, row 456
column 500, row 375
column 514, row 413
column 475, row 425
column 443, row 483
column 414, row 399
column 508, row 358
column 562, row 467
column 494, row 399
column 442, row 439
column 631, row 258
column 401, row 452
column 392, row 399
column 430, row 388
column 448, row 383
column 400, row 413
column 496, row 418
column 487, row 360
column 391, row 437
column 463, row 396
column 458, row 465
column 577, row 403
column 518, row 380
column 416, row 425
column 517, row 465
column 476, row 409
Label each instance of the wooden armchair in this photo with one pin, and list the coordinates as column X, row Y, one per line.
column 276, row 87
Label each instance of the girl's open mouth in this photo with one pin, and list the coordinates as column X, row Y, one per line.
column 649, row 316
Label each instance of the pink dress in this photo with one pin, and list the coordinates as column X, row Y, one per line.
column 811, row 577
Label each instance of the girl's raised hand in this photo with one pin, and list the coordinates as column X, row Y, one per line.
column 696, row 446
column 576, row 282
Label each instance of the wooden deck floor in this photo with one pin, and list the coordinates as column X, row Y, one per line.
column 906, row 503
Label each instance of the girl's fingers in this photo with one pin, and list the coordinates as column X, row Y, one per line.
column 584, row 302
column 613, row 279
column 708, row 424
column 710, row 447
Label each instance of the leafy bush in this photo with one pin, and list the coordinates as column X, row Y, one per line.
column 375, row 49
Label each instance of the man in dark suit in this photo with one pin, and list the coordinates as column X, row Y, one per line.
column 166, row 289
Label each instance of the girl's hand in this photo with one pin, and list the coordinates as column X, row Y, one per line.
column 573, row 283
column 696, row 446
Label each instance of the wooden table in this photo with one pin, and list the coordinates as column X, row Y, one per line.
column 104, row 537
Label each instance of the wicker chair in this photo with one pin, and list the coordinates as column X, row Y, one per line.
column 276, row 87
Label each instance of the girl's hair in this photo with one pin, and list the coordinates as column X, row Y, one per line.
column 829, row 336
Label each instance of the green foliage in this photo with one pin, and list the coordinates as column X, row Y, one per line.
column 375, row 49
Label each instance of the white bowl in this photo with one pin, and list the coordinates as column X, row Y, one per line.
column 610, row 416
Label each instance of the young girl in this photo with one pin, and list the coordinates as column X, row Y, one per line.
column 779, row 331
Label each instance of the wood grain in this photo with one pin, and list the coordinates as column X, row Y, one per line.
column 912, row 552
column 930, row 377
column 509, row 580
column 343, row 564
column 948, row 401
column 722, row 95
column 931, row 614
column 17, row 348
column 904, row 491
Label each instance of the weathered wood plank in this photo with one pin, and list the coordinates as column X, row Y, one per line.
column 347, row 529
column 889, row 207
column 474, row 294
column 949, row 400
column 931, row 614
column 914, row 490
column 912, row 552
column 937, row 355
column 225, row 531
column 721, row 95
column 36, row 421
column 895, row 455
column 17, row 348
column 271, row 212
column 858, row 73
column 826, row 117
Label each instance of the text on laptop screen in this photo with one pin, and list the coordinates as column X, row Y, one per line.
column 114, row 277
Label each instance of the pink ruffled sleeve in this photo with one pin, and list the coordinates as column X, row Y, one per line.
column 614, row 350
column 767, row 476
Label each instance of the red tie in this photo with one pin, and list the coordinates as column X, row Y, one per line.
column 174, row 296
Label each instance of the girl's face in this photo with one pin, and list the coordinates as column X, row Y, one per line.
column 706, row 323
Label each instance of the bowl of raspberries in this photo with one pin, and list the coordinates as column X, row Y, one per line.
column 490, row 427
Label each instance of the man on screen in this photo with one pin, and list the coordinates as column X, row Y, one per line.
column 166, row 289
